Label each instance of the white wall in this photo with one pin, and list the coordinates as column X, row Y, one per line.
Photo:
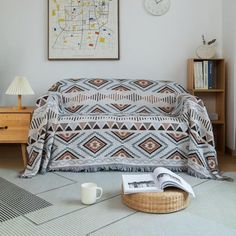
column 229, row 48
column 151, row 47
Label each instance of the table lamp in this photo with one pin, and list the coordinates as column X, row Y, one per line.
column 20, row 86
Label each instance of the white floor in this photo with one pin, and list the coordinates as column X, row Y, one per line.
column 212, row 212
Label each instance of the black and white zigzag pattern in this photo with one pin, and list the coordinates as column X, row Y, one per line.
column 102, row 124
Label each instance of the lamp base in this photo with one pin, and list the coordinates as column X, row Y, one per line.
column 19, row 109
column 19, row 102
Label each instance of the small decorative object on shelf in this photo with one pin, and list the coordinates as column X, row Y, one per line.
column 213, row 116
column 20, row 86
column 206, row 80
column 206, row 50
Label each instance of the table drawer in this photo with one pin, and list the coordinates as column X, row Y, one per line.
column 14, row 128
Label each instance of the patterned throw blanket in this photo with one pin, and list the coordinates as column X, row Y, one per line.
column 130, row 125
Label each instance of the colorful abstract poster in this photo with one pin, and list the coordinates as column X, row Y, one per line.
column 83, row 29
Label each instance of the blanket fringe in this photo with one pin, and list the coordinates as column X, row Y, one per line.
column 220, row 176
column 130, row 168
column 124, row 168
column 215, row 176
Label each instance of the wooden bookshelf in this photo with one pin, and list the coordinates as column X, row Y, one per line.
column 213, row 98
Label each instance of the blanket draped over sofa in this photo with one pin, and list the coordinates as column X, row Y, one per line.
column 115, row 124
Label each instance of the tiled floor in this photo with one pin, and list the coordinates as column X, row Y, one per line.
column 212, row 212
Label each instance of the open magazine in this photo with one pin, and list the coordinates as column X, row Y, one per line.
column 157, row 181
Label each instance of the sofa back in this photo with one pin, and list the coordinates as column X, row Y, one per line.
column 117, row 95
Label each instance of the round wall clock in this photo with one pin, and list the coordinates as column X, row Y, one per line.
column 157, row 7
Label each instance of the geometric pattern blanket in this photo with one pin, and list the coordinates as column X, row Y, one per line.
column 114, row 124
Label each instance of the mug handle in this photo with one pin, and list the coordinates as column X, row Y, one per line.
column 101, row 191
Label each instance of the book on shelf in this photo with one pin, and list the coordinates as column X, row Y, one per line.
column 214, row 75
column 198, row 75
column 210, row 75
column 205, row 74
column 195, row 74
column 156, row 181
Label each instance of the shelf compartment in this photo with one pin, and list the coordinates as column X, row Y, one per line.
column 214, row 99
column 208, row 90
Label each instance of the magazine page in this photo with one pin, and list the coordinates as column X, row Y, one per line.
column 167, row 178
column 140, row 183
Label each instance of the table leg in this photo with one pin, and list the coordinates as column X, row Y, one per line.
column 23, row 151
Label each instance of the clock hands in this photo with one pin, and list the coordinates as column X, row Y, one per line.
column 158, row 1
column 157, row 7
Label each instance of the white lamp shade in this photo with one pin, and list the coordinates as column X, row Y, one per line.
column 20, row 86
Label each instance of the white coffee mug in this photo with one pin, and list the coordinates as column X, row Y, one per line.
column 89, row 193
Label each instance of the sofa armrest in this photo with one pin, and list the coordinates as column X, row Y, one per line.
column 187, row 102
column 41, row 133
column 52, row 99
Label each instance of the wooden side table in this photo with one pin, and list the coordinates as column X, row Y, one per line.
column 14, row 127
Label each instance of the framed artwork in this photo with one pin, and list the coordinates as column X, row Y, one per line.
column 83, row 29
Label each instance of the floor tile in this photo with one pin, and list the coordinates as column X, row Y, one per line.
column 67, row 199
column 79, row 222
column 177, row 224
column 86, row 220
column 37, row 184
column 215, row 200
column 212, row 212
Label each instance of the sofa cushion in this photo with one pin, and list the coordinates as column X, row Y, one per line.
column 117, row 95
column 97, row 84
column 120, row 121
column 105, row 101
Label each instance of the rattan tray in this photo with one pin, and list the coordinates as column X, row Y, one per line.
column 171, row 200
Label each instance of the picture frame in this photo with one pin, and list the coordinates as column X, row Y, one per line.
column 83, row 30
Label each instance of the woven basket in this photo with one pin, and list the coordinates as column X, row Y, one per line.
column 171, row 200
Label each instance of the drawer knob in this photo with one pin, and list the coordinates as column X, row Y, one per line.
column 3, row 127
